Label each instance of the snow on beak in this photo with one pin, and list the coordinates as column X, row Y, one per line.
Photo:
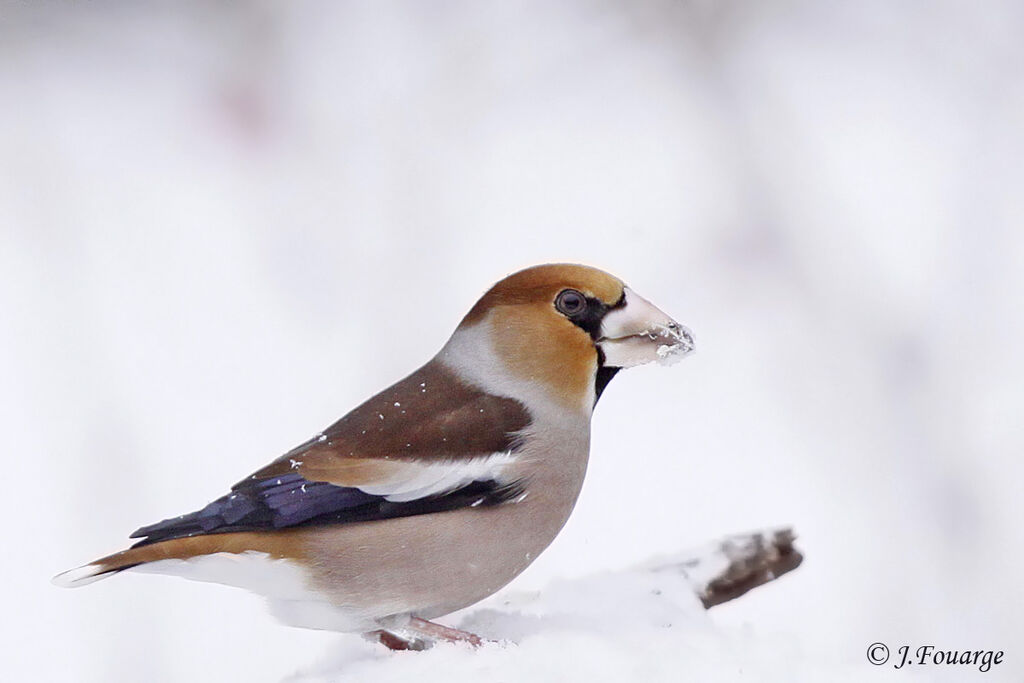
column 638, row 333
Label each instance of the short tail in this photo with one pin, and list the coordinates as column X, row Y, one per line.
column 95, row 571
column 83, row 576
column 271, row 543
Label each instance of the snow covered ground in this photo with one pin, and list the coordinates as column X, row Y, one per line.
column 224, row 225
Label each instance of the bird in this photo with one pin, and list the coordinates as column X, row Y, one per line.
column 437, row 491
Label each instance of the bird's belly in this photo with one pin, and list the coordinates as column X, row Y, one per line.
column 430, row 565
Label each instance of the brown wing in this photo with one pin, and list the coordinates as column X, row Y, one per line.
column 431, row 415
column 427, row 444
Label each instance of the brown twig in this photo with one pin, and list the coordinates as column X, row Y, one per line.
column 739, row 563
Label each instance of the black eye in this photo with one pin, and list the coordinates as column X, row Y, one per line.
column 570, row 302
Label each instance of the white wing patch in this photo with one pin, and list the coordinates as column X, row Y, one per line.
column 420, row 480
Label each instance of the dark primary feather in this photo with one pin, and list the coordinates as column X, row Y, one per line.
column 292, row 501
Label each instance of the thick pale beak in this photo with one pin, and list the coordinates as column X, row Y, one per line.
column 638, row 333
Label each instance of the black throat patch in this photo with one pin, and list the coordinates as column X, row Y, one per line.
column 590, row 320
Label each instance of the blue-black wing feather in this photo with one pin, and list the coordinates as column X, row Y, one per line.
column 292, row 501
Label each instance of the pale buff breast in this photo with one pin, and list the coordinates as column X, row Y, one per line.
column 430, row 565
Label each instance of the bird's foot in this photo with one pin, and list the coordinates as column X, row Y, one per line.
column 446, row 633
column 393, row 641
column 419, row 634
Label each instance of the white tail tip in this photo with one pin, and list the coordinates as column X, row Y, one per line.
column 80, row 576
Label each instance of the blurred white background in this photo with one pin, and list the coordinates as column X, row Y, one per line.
column 226, row 224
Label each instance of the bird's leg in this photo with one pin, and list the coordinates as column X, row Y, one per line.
column 440, row 632
column 407, row 632
column 393, row 641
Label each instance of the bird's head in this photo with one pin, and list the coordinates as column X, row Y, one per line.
column 561, row 330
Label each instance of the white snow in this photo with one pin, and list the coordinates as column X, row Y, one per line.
column 670, row 354
column 636, row 624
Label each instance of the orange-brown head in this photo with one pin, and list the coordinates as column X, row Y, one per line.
column 568, row 329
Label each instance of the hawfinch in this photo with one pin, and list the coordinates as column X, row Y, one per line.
column 437, row 491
